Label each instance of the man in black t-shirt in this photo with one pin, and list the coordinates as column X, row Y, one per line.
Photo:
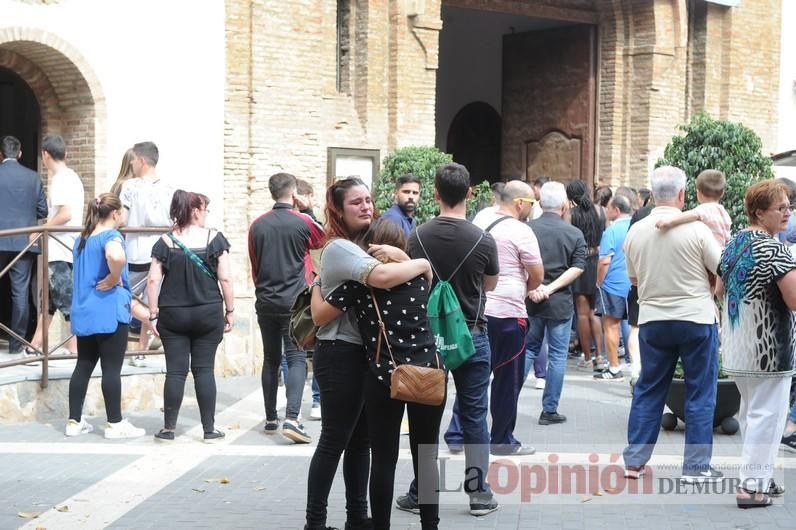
column 448, row 238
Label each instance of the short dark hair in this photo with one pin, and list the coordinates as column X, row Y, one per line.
column 711, row 183
column 148, row 151
column 452, row 182
column 55, row 146
column 10, row 147
column 304, row 188
column 540, row 181
column 602, row 195
column 621, row 203
column 280, row 184
column 407, row 179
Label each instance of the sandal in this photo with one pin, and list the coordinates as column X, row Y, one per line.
column 775, row 490
column 752, row 499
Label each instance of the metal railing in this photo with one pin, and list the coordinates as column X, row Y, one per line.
column 43, row 234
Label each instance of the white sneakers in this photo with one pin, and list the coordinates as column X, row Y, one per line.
column 122, row 429
column 76, row 428
column 540, row 383
column 315, row 411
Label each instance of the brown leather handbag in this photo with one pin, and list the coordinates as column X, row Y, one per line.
column 417, row 384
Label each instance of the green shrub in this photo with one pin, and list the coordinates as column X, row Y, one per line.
column 729, row 147
column 422, row 162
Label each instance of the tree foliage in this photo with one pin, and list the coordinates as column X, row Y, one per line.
column 422, row 162
column 729, row 147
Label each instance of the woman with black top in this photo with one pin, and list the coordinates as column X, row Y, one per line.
column 339, row 361
column 411, row 341
column 584, row 216
column 188, row 313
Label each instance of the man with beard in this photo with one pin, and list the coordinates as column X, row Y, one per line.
column 407, row 195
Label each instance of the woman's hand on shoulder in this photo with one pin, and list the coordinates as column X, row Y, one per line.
column 386, row 253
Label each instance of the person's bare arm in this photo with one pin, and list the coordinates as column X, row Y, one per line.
column 154, row 278
column 677, row 220
column 322, row 311
column 386, row 253
column 787, row 286
column 535, row 276
column 602, row 269
column 490, row 282
column 223, row 272
column 388, row 275
column 63, row 216
column 114, row 255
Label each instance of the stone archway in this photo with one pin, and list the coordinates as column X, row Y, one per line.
column 69, row 95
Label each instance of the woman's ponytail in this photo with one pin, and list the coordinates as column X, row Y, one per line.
column 97, row 209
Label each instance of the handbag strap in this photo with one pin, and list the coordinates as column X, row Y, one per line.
column 459, row 266
column 199, row 262
column 383, row 333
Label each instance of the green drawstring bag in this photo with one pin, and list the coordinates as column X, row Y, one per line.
column 445, row 316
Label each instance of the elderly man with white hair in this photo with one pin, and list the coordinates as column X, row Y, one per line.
column 677, row 320
column 550, row 306
column 521, row 271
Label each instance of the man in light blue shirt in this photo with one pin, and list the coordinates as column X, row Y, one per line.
column 407, row 195
column 613, row 283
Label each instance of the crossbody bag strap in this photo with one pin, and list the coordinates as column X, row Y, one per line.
column 382, row 331
column 496, row 221
column 199, row 262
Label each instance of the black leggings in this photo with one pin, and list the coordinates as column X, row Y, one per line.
column 384, row 428
column 340, row 370
column 108, row 349
column 190, row 335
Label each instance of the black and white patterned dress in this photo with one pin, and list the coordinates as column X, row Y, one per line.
column 757, row 331
column 404, row 314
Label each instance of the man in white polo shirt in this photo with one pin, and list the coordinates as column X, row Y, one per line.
column 677, row 320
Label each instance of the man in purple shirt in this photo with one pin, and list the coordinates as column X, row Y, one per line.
column 407, row 195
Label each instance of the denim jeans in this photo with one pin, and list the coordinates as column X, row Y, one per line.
column 468, row 425
column 341, row 368
column 557, row 334
column 276, row 340
column 316, row 391
column 536, row 360
column 661, row 344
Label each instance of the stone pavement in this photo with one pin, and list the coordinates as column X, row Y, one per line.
column 253, row 480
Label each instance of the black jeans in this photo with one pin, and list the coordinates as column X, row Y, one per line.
column 108, row 349
column 190, row 335
column 384, row 428
column 340, row 369
column 19, row 279
column 276, row 339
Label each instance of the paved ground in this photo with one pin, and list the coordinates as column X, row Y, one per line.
column 259, row 481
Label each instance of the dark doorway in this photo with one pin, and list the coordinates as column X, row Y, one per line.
column 474, row 141
column 20, row 115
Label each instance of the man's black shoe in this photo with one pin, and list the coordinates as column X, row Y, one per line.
column 482, row 508
column 550, row 418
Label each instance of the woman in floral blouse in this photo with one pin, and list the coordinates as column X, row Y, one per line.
column 757, row 334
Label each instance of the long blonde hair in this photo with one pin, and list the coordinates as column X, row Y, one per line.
column 125, row 172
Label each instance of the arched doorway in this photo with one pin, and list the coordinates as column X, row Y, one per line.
column 20, row 115
column 47, row 87
column 474, row 141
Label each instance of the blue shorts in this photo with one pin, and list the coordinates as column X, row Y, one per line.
column 612, row 305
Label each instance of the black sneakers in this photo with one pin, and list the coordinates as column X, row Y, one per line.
column 214, row 436
column 294, row 431
column 164, row 436
column 789, row 441
column 698, row 477
column 407, row 504
column 271, row 426
column 550, row 418
column 481, row 508
column 608, row 375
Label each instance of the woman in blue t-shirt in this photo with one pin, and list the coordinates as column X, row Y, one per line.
column 100, row 316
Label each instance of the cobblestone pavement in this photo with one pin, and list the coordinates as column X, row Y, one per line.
column 257, row 481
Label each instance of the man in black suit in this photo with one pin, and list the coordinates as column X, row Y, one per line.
column 22, row 203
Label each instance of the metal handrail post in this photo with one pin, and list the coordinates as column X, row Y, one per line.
column 44, row 309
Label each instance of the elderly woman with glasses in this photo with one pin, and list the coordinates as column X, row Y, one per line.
column 758, row 342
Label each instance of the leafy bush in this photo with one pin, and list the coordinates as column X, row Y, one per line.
column 729, row 147
column 422, row 162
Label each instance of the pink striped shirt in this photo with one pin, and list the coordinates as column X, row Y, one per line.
column 717, row 219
